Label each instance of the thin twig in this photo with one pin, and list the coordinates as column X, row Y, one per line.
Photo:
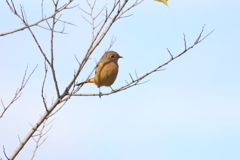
column 77, row 59
column 19, row 139
column 170, row 53
column 67, row 22
column 197, row 40
column 5, row 153
column 39, row 46
column 113, row 40
column 129, row 8
column 65, row 101
column 18, row 92
column 50, row 30
column 54, row 21
column 185, row 43
column 44, row 79
column 136, row 74
column 131, row 76
column 42, row 8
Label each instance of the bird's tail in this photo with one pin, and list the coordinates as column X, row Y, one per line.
column 87, row 81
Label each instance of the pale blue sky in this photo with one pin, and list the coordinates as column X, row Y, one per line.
column 190, row 111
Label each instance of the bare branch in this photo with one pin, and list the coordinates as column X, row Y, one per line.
column 65, row 101
column 197, row 40
column 52, row 54
column 13, row 9
column 39, row 136
column 129, row 8
column 98, row 24
column 161, row 69
column 19, row 139
column 50, row 30
column 136, row 74
column 185, row 44
column 72, row 6
column 136, row 81
column 170, row 53
column 45, row 76
column 126, row 16
column 39, row 47
column 3, row 104
column 42, row 8
column 63, row 28
column 131, row 77
column 5, row 153
column 67, row 22
column 57, row 18
column 92, row 23
column 77, row 59
column 49, row 27
column 116, row 12
column 205, row 36
column 24, row 17
column 83, row 10
column 96, row 41
column 100, row 11
column 18, row 92
column 113, row 40
column 87, row 20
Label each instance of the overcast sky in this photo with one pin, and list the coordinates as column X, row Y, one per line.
column 189, row 111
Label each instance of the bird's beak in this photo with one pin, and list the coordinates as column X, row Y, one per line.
column 120, row 57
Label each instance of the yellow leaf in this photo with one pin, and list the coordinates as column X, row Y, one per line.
column 163, row 1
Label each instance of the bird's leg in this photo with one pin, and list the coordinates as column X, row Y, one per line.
column 112, row 89
column 100, row 94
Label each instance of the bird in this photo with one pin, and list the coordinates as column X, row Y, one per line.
column 163, row 1
column 106, row 70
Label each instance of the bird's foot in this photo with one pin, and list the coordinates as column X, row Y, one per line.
column 100, row 94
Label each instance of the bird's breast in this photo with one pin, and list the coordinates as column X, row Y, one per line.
column 106, row 74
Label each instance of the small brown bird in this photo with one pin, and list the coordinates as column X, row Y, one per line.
column 106, row 70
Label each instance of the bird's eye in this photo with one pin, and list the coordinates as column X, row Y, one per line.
column 112, row 56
